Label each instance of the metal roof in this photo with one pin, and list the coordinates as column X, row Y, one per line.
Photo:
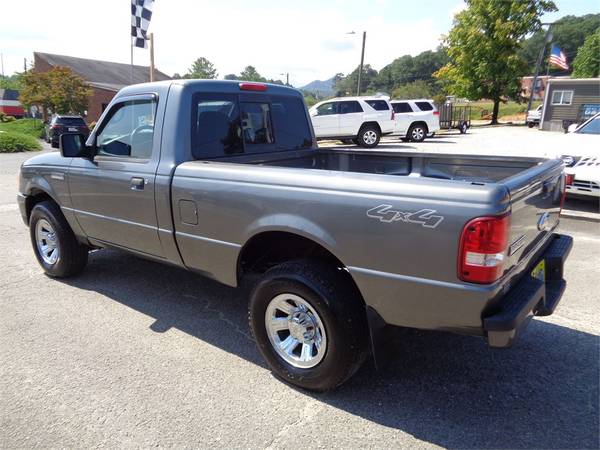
column 103, row 74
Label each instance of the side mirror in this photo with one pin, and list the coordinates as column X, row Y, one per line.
column 72, row 145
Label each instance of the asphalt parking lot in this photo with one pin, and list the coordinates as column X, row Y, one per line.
column 136, row 354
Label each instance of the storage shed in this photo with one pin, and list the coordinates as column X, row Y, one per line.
column 569, row 100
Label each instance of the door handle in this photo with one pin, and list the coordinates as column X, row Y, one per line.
column 137, row 184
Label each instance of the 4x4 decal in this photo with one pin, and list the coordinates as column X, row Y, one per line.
column 424, row 217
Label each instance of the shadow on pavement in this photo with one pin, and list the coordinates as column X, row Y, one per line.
column 446, row 389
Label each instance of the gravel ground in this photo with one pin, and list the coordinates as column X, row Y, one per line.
column 136, row 354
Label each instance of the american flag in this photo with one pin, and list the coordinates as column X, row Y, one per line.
column 558, row 58
column 141, row 13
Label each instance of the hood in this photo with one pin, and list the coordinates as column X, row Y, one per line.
column 587, row 168
column 53, row 158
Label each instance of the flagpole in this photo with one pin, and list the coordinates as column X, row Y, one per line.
column 151, row 57
column 131, row 64
column 547, row 38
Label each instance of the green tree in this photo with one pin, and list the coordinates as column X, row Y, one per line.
column 587, row 62
column 202, row 68
column 348, row 84
column 231, row 76
column 483, row 44
column 250, row 74
column 416, row 89
column 11, row 82
column 569, row 33
column 58, row 89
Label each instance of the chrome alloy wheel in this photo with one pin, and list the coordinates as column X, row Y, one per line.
column 47, row 242
column 370, row 137
column 417, row 133
column 295, row 331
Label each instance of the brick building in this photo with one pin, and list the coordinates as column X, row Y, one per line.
column 104, row 78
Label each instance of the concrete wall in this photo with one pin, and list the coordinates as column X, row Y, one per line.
column 587, row 91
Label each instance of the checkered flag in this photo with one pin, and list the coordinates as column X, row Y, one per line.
column 141, row 13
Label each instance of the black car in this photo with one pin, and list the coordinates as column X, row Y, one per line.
column 60, row 124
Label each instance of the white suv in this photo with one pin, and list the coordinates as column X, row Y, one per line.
column 362, row 120
column 416, row 119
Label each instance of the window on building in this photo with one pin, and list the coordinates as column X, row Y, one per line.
column 562, row 97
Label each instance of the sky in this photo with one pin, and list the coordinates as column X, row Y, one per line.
column 308, row 39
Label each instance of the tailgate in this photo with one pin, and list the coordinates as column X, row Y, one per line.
column 535, row 195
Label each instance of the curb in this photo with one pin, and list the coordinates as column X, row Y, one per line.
column 580, row 215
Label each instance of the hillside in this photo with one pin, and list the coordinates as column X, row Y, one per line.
column 324, row 87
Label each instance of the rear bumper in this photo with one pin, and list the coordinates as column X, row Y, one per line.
column 530, row 296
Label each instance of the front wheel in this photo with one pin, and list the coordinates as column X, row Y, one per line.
column 463, row 128
column 530, row 124
column 54, row 244
column 309, row 323
column 369, row 136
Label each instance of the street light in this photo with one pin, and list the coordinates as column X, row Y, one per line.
column 287, row 78
column 547, row 39
column 362, row 60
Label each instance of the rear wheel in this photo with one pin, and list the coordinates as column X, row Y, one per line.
column 309, row 323
column 530, row 124
column 54, row 244
column 417, row 133
column 463, row 128
column 368, row 136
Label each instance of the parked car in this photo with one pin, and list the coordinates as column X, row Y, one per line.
column 415, row 119
column 358, row 120
column 225, row 179
column 534, row 116
column 60, row 124
column 583, row 160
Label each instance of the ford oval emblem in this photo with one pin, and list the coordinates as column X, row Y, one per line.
column 543, row 221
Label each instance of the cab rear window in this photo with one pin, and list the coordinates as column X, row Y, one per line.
column 71, row 121
column 222, row 125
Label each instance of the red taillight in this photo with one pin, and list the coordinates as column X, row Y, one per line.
column 569, row 178
column 253, row 87
column 483, row 249
column 436, row 113
column 56, row 127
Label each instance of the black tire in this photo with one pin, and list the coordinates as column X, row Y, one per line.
column 530, row 124
column 417, row 132
column 368, row 136
column 463, row 128
column 331, row 293
column 72, row 255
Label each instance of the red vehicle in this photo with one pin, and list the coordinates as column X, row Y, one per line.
column 9, row 103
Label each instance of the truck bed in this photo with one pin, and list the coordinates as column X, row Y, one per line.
column 479, row 169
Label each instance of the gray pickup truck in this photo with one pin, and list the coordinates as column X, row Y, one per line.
column 225, row 179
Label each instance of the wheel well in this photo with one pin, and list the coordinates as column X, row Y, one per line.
column 420, row 122
column 375, row 124
column 33, row 199
column 271, row 248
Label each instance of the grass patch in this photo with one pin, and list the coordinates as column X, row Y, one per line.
column 30, row 127
column 11, row 142
column 481, row 109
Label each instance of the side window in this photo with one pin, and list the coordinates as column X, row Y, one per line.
column 216, row 125
column 562, row 97
column 256, row 124
column 350, row 107
column 327, row 109
column 592, row 127
column 129, row 130
column 378, row 105
column 402, row 107
column 424, row 106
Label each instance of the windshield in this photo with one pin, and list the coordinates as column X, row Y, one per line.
column 592, row 127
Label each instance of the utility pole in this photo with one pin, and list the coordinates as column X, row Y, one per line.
column 362, row 61
column 2, row 61
column 151, row 57
column 287, row 78
column 24, row 64
column 547, row 39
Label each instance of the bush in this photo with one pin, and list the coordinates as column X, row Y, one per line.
column 8, row 118
column 11, row 142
